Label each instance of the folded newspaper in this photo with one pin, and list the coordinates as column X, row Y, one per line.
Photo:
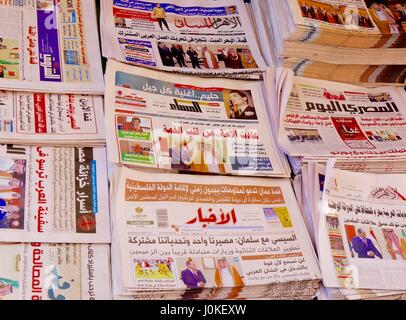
column 28, row 118
column 50, row 46
column 211, row 38
column 167, row 122
column 362, row 237
column 208, row 237
column 323, row 119
column 53, row 195
column 312, row 182
column 40, row 271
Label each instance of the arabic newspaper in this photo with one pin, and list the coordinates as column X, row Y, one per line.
column 313, row 180
column 328, row 119
column 199, row 37
column 362, row 237
column 374, row 24
column 50, row 46
column 161, row 226
column 188, row 124
column 53, row 195
column 57, row 119
column 39, row 271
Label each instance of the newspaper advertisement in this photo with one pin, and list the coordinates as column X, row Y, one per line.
column 365, row 16
column 226, row 232
column 188, row 124
column 41, row 271
column 51, row 118
column 47, row 43
column 327, row 119
column 53, row 195
column 362, row 230
column 198, row 37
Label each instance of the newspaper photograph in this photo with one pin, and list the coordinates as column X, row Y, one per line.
column 40, row 271
column 176, row 233
column 188, row 124
column 365, row 17
column 51, row 119
column 50, row 45
column 362, row 230
column 196, row 37
column 328, row 119
column 53, row 195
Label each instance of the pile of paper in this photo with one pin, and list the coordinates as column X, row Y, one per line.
column 194, row 237
column 363, row 42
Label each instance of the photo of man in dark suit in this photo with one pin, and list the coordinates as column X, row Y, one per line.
column 192, row 277
column 240, row 107
column 364, row 247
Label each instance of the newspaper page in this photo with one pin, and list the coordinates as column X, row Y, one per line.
column 199, row 37
column 189, row 124
column 318, row 172
column 57, row 119
column 53, row 195
column 363, row 17
column 329, row 119
column 362, row 230
column 165, row 224
column 47, row 43
column 40, row 271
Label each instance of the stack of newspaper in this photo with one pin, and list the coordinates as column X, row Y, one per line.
column 54, row 215
column 209, row 38
column 359, row 42
column 357, row 224
column 193, row 237
column 322, row 119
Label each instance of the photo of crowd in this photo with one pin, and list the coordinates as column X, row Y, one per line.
column 389, row 16
column 12, row 193
column 206, row 57
column 350, row 17
column 198, row 155
column 154, row 268
column 304, row 135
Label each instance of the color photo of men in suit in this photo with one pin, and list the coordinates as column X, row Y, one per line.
column 364, row 247
column 192, row 277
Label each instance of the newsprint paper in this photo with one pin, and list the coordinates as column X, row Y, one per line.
column 40, row 271
column 51, row 119
column 53, row 195
column 328, row 119
column 163, row 226
column 50, row 45
column 199, row 37
column 190, row 124
column 362, row 230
